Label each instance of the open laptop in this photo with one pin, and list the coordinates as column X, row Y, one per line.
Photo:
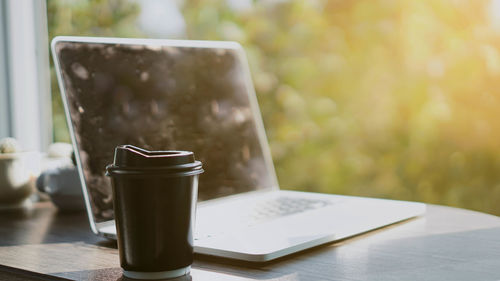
column 198, row 96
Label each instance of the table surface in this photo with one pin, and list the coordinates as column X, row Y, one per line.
column 445, row 244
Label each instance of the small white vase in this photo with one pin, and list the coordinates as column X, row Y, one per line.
column 16, row 178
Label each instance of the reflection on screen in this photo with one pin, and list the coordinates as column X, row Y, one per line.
column 162, row 98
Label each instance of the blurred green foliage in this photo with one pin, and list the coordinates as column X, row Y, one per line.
column 383, row 98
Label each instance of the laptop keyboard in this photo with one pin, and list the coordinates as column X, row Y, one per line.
column 285, row 206
column 268, row 210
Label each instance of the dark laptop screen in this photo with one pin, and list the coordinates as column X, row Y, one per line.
column 161, row 98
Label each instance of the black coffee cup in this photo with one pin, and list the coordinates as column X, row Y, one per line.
column 154, row 195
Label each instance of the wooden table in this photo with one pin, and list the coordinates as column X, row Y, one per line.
column 446, row 244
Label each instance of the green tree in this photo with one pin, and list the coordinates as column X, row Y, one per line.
column 384, row 98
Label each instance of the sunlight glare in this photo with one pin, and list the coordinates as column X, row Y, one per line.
column 494, row 12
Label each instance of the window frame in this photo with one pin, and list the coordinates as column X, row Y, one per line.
column 25, row 100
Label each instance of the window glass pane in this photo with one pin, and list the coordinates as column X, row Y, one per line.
column 384, row 98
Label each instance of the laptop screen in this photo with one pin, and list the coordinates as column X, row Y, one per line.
column 163, row 98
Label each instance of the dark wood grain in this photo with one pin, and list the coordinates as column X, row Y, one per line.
column 446, row 244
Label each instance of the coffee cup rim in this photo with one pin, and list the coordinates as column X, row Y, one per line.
column 187, row 169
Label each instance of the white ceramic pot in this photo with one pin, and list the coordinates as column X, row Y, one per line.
column 63, row 186
column 16, row 177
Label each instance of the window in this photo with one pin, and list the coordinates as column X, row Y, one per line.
column 384, row 98
column 24, row 78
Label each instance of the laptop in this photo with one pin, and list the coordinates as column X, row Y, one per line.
column 198, row 96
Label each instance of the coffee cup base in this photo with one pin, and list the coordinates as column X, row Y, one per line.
column 157, row 275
